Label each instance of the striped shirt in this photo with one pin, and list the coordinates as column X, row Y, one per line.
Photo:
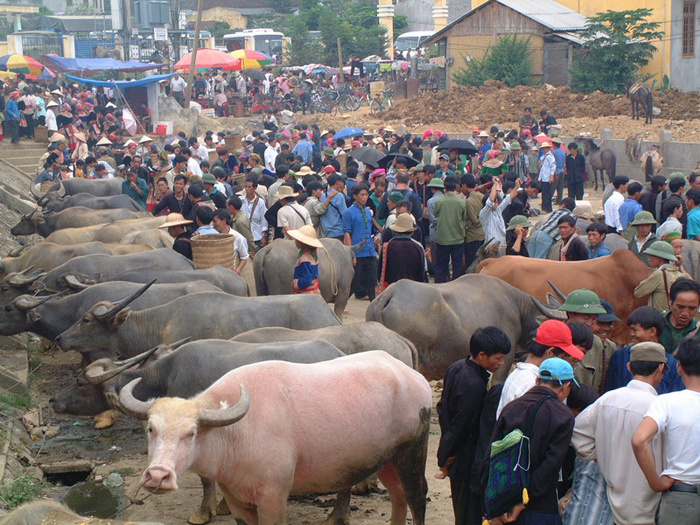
column 550, row 226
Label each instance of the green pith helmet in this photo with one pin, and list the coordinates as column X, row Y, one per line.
column 643, row 217
column 519, row 220
column 583, row 302
column 436, row 182
column 208, row 178
column 675, row 175
column 661, row 249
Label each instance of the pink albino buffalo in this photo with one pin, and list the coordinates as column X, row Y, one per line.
column 299, row 428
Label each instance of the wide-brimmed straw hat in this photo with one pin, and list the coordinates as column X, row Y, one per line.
column 403, row 224
column 55, row 137
column 305, row 170
column 80, row 136
column 104, row 141
column 145, row 138
column 174, row 219
column 286, row 192
column 52, row 104
column 305, row 235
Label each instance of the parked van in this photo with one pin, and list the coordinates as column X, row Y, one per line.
column 412, row 40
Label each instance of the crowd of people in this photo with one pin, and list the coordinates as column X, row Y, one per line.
column 617, row 448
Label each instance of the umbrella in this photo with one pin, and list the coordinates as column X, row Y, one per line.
column 367, row 155
column 255, row 74
column 542, row 138
column 313, row 69
column 209, row 59
column 349, row 132
column 251, row 59
column 389, row 160
column 463, row 146
column 21, row 64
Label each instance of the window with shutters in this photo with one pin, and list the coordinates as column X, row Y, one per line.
column 688, row 35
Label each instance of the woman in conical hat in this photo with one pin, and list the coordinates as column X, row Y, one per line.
column 306, row 268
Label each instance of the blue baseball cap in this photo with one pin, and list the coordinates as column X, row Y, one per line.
column 556, row 369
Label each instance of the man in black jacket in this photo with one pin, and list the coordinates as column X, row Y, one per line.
column 459, row 412
column 173, row 202
column 549, row 440
column 575, row 172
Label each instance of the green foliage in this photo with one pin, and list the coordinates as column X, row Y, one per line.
column 619, row 44
column 6, row 28
column 80, row 10
column 665, row 84
column 22, row 490
column 355, row 23
column 218, row 29
column 14, row 400
column 508, row 60
column 45, row 11
column 400, row 24
column 282, row 6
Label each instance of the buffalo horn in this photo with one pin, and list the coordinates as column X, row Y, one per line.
column 98, row 376
column 61, row 190
column 132, row 406
column 75, row 284
column 549, row 312
column 225, row 416
column 34, row 189
column 20, row 280
column 27, row 302
column 357, row 247
column 560, row 294
column 120, row 305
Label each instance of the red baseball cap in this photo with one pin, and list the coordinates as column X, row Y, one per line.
column 558, row 334
column 329, row 169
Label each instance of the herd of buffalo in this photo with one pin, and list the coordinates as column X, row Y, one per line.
column 274, row 379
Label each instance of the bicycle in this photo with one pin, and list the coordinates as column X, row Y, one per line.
column 382, row 102
column 353, row 100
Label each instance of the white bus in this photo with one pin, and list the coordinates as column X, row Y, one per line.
column 264, row 40
column 412, row 40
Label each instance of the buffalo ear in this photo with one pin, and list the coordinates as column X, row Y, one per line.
column 33, row 316
column 119, row 319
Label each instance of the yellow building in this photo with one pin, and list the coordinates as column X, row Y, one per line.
column 661, row 63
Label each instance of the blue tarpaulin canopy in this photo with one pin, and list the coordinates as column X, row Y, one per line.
column 121, row 84
column 90, row 66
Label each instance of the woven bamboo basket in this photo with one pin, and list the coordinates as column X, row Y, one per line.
column 212, row 250
column 233, row 142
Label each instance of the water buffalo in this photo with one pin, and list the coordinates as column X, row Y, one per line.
column 97, row 268
column 184, row 373
column 48, row 255
column 613, row 278
column 156, row 238
column 50, row 315
column 273, row 268
column 85, row 200
column 99, row 187
column 441, row 318
column 17, row 283
column 104, row 233
column 691, row 258
column 46, row 511
column 205, row 315
column 45, row 224
column 228, row 280
column 350, row 339
column 316, row 427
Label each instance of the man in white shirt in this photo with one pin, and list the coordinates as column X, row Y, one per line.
column 254, row 208
column 271, row 154
column 675, row 417
column 603, row 432
column 553, row 339
column 292, row 215
column 199, row 151
column 221, row 221
column 192, row 164
column 546, row 175
column 612, row 205
column 177, row 88
column 673, row 210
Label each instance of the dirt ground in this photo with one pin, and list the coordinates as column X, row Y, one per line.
column 458, row 109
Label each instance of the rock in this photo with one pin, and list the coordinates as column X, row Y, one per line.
column 655, row 111
column 114, row 480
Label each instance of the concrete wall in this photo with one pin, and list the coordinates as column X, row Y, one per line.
column 419, row 14
column 685, row 71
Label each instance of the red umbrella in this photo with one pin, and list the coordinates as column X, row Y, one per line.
column 209, row 59
column 542, row 138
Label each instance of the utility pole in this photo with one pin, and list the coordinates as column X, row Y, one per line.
column 190, row 75
column 341, row 76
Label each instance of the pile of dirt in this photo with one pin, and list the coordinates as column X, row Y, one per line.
column 494, row 102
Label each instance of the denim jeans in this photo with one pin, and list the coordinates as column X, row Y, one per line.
column 547, row 197
column 540, row 244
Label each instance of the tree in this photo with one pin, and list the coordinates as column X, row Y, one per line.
column 508, row 60
column 303, row 48
column 218, row 29
column 618, row 44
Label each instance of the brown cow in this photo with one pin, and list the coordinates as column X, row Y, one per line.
column 613, row 278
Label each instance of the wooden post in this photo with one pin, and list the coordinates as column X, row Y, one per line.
column 341, row 76
column 195, row 47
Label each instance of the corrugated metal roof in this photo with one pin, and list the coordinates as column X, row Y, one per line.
column 549, row 13
column 552, row 15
